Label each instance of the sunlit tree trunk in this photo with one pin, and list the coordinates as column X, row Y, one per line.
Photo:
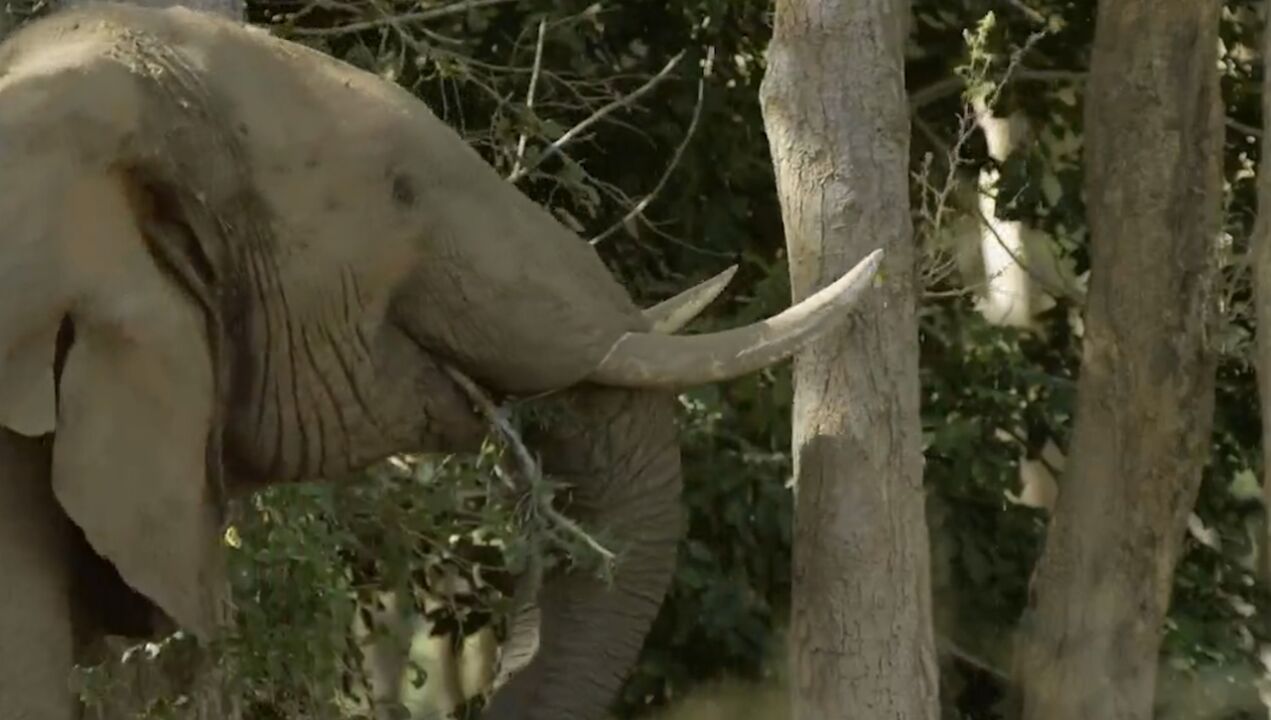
column 1007, row 292
column 835, row 110
column 1090, row 640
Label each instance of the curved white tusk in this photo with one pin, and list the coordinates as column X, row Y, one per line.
column 652, row 360
column 672, row 314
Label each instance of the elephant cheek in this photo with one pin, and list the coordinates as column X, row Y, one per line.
column 619, row 451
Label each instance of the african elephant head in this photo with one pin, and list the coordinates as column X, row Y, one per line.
column 227, row 260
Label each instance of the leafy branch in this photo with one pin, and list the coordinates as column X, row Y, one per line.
column 532, row 481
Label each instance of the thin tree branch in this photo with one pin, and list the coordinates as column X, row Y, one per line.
column 950, row 647
column 529, row 467
column 1035, row 75
column 421, row 16
column 1035, row 15
column 597, row 116
column 945, row 87
column 529, row 95
column 640, row 207
column 1243, row 128
column 938, row 90
column 1055, row 290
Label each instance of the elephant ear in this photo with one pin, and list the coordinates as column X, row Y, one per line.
column 34, row 289
column 136, row 451
column 27, row 403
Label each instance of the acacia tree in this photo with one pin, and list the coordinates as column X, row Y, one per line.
column 835, row 109
column 1091, row 637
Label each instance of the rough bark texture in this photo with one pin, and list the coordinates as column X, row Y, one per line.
column 1090, row 640
column 835, row 110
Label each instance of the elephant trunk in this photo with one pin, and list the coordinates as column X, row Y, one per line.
column 619, row 452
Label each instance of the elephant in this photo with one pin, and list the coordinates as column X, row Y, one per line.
column 228, row 260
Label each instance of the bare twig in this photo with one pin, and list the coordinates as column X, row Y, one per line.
column 1037, row 75
column 529, row 95
column 421, row 16
column 935, row 200
column 1034, row 15
column 1060, row 292
column 640, row 207
column 945, row 87
column 529, row 466
column 1243, row 128
column 938, row 90
column 950, row 647
column 599, row 115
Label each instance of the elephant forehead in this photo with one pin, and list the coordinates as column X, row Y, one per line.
column 518, row 301
column 349, row 161
column 320, row 145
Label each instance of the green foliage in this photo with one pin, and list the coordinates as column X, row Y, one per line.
column 306, row 558
column 986, row 405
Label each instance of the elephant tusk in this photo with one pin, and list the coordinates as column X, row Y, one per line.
column 652, row 360
column 671, row 315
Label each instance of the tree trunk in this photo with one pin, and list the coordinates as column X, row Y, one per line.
column 1008, row 289
column 835, row 110
column 1090, row 640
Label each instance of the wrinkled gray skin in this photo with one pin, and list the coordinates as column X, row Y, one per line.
column 230, row 261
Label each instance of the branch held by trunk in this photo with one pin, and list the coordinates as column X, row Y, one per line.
column 532, row 480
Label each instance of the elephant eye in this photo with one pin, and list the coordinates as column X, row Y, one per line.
column 403, row 190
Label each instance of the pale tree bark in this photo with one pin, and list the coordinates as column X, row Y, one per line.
column 1007, row 286
column 1090, row 641
column 835, row 110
